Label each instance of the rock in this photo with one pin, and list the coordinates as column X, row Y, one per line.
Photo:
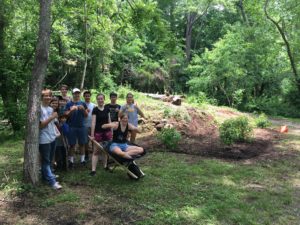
column 159, row 126
column 176, row 101
column 141, row 121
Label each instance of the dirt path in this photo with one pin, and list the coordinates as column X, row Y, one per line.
column 294, row 127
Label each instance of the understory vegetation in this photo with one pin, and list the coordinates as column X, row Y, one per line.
column 232, row 53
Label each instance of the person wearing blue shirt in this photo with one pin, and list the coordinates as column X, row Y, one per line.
column 76, row 110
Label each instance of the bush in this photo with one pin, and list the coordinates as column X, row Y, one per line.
column 235, row 130
column 170, row 137
column 262, row 121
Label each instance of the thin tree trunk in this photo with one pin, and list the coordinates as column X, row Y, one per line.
column 31, row 149
column 241, row 6
column 85, row 51
column 188, row 35
column 287, row 45
column 192, row 17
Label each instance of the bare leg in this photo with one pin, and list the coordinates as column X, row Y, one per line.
column 95, row 157
column 132, row 136
column 134, row 150
column 104, row 160
column 119, row 152
column 72, row 151
column 82, row 152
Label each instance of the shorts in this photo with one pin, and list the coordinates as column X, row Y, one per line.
column 122, row 146
column 77, row 134
column 103, row 136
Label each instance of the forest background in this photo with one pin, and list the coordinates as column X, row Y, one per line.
column 238, row 53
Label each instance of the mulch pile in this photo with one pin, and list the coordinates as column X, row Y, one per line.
column 200, row 136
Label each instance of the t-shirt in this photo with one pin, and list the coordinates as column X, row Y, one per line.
column 113, row 111
column 88, row 119
column 76, row 118
column 48, row 133
column 101, row 118
column 132, row 113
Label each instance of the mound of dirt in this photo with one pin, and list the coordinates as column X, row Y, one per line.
column 200, row 136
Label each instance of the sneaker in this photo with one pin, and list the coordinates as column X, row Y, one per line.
column 83, row 163
column 93, row 173
column 109, row 168
column 56, row 176
column 56, row 186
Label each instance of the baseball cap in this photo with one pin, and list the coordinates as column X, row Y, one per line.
column 75, row 90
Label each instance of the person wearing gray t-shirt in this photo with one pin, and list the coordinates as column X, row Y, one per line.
column 47, row 136
column 132, row 111
column 88, row 120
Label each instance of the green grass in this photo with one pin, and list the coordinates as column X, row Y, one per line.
column 176, row 189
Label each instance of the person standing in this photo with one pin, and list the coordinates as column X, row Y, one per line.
column 113, row 107
column 132, row 110
column 88, row 120
column 100, row 116
column 76, row 110
column 64, row 92
column 47, row 138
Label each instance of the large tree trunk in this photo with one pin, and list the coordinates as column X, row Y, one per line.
column 31, row 149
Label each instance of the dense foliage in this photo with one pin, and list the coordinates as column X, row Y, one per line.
column 235, row 130
column 238, row 53
column 170, row 137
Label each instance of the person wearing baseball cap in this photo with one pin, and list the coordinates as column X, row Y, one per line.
column 76, row 110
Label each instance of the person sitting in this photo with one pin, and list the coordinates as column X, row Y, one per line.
column 119, row 144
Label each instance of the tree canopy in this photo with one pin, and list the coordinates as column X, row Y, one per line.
column 239, row 53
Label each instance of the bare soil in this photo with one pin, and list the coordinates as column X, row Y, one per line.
column 200, row 136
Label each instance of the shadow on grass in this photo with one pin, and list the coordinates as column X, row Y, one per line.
column 177, row 189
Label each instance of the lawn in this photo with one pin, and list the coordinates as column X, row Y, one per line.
column 177, row 189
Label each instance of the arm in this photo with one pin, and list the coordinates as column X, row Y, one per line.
column 69, row 110
column 133, row 128
column 109, row 125
column 45, row 123
column 93, row 126
column 139, row 111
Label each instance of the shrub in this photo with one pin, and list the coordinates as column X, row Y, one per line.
column 262, row 121
column 235, row 130
column 170, row 137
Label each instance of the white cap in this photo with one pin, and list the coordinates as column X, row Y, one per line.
column 75, row 90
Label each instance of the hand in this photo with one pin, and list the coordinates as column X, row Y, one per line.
column 54, row 115
column 92, row 137
column 74, row 107
column 80, row 107
column 88, row 110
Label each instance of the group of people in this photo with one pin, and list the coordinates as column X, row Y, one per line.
column 68, row 121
